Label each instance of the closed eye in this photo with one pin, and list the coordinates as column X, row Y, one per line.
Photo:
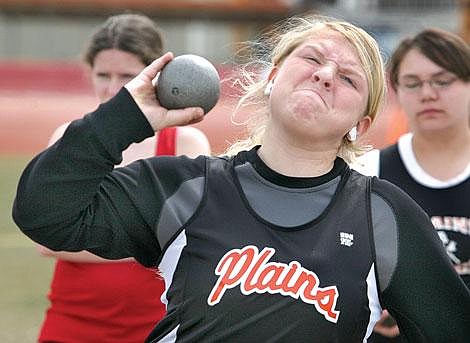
column 412, row 84
column 128, row 76
column 443, row 82
column 348, row 80
column 103, row 75
column 314, row 59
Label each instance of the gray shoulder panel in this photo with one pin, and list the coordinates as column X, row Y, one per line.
column 385, row 232
column 179, row 208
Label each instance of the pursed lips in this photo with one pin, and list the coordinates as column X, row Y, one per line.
column 316, row 92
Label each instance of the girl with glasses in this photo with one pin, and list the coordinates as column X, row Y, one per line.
column 430, row 73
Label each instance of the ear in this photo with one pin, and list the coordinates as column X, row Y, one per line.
column 363, row 126
column 269, row 85
column 272, row 74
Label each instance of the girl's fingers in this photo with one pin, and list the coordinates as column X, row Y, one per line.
column 154, row 68
column 184, row 116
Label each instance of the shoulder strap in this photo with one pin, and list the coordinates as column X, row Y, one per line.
column 166, row 142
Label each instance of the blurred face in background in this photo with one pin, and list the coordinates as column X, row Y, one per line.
column 111, row 70
column 432, row 97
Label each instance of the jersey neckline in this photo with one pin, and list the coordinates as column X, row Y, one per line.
column 408, row 157
column 276, row 178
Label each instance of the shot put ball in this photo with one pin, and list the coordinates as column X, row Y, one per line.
column 188, row 81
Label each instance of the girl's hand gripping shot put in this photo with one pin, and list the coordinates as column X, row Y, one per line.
column 142, row 89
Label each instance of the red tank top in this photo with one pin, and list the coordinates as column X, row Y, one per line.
column 106, row 302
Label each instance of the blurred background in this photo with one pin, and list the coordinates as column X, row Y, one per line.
column 42, row 85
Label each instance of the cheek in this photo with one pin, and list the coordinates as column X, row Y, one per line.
column 352, row 104
column 457, row 99
column 100, row 89
column 458, row 107
column 407, row 102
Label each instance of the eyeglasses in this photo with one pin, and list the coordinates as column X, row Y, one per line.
column 416, row 85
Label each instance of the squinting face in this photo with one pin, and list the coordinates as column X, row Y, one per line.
column 320, row 90
column 441, row 102
column 111, row 70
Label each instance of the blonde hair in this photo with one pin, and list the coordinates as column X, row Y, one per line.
column 281, row 41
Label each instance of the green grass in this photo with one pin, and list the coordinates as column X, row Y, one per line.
column 25, row 276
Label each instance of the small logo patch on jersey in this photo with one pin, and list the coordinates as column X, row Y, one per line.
column 346, row 239
column 250, row 269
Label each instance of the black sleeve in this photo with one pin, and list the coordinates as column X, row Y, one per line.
column 70, row 198
column 425, row 295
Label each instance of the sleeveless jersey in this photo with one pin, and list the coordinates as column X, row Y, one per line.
column 449, row 208
column 239, row 263
column 106, row 302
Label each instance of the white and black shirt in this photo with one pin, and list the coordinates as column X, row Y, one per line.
column 446, row 202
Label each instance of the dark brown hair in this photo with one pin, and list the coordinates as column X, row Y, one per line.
column 133, row 33
column 445, row 49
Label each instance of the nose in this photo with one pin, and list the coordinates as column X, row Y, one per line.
column 324, row 75
column 114, row 86
column 428, row 92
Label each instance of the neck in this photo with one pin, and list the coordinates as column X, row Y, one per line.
column 442, row 155
column 294, row 159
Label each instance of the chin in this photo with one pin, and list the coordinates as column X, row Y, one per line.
column 432, row 126
column 305, row 117
column 305, row 111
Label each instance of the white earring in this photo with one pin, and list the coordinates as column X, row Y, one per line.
column 352, row 134
column 269, row 88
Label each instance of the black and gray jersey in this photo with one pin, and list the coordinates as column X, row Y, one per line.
column 247, row 254
column 241, row 272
